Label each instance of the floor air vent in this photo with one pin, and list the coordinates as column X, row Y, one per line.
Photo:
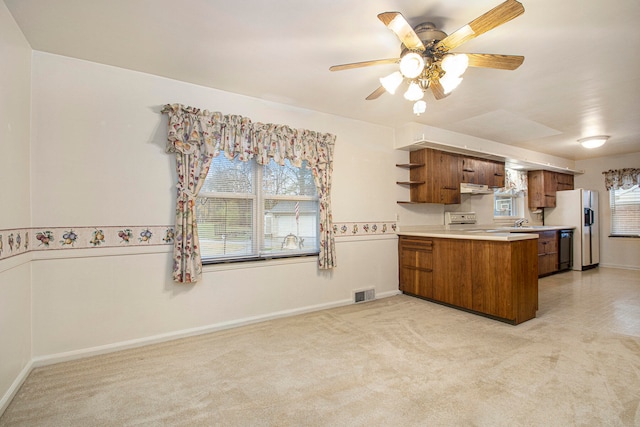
column 366, row 295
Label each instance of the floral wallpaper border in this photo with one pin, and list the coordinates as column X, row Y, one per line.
column 371, row 228
column 17, row 241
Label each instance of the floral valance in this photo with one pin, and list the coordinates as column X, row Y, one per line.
column 515, row 181
column 197, row 136
column 621, row 178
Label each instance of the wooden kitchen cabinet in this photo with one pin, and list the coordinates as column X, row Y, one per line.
column 564, row 181
column 543, row 186
column 416, row 266
column 440, row 175
column 547, row 253
column 435, row 176
column 495, row 174
column 452, row 277
column 493, row 278
column 473, row 171
column 505, row 279
column 482, row 172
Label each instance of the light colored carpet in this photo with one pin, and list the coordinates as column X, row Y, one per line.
column 399, row 361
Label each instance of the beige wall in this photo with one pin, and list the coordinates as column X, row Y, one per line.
column 99, row 158
column 614, row 251
column 15, row 286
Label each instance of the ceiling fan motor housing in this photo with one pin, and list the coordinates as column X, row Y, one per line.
column 429, row 34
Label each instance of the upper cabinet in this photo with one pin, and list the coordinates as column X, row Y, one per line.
column 482, row 171
column 543, row 186
column 439, row 177
column 435, row 176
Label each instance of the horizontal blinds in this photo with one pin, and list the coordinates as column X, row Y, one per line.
column 625, row 211
column 246, row 210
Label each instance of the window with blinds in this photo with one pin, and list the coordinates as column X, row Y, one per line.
column 250, row 211
column 625, row 212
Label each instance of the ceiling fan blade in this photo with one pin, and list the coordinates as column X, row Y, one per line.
column 364, row 64
column 437, row 89
column 396, row 23
column 376, row 94
column 500, row 14
column 500, row 62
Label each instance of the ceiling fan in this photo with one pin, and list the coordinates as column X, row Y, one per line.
column 425, row 61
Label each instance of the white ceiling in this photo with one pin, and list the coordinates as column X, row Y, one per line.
column 580, row 77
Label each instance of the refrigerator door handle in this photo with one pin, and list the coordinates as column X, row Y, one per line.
column 588, row 216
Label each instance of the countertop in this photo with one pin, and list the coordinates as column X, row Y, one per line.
column 478, row 232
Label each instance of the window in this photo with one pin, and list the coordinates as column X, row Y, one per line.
column 505, row 204
column 250, row 211
column 625, row 211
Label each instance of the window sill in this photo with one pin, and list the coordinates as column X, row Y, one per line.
column 210, row 266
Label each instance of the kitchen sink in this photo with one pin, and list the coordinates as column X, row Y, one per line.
column 525, row 228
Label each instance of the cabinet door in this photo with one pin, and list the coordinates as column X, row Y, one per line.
column 447, row 176
column 452, row 282
column 469, row 170
column 542, row 189
column 564, row 181
column 495, row 174
column 547, row 252
column 492, row 279
column 416, row 266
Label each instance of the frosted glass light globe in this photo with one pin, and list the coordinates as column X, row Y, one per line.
column 411, row 65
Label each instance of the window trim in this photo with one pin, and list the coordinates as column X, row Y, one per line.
column 258, row 198
column 635, row 188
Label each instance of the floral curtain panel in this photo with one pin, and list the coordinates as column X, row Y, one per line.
column 621, row 178
column 196, row 136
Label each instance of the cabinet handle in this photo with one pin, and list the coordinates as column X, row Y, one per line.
column 449, row 188
column 498, row 174
column 468, row 170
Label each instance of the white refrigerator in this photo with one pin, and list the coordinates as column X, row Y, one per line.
column 578, row 208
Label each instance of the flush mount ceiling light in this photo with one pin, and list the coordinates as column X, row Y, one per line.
column 593, row 141
column 426, row 61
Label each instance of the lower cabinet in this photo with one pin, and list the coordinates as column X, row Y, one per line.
column 495, row 278
column 547, row 252
column 416, row 267
column 452, row 281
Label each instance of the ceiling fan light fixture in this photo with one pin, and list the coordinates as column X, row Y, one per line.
column 391, row 82
column 414, row 92
column 419, row 107
column 455, row 64
column 411, row 65
column 593, row 141
column 450, row 82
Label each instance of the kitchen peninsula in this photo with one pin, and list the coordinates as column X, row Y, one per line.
column 494, row 274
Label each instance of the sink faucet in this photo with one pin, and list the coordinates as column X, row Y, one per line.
column 520, row 221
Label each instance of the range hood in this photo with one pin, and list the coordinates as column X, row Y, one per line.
column 466, row 188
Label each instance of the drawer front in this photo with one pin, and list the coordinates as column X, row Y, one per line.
column 547, row 242
column 415, row 257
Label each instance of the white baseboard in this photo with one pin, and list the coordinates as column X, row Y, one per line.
column 15, row 386
column 621, row 267
column 124, row 345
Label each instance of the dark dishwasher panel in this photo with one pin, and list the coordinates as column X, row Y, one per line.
column 565, row 250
